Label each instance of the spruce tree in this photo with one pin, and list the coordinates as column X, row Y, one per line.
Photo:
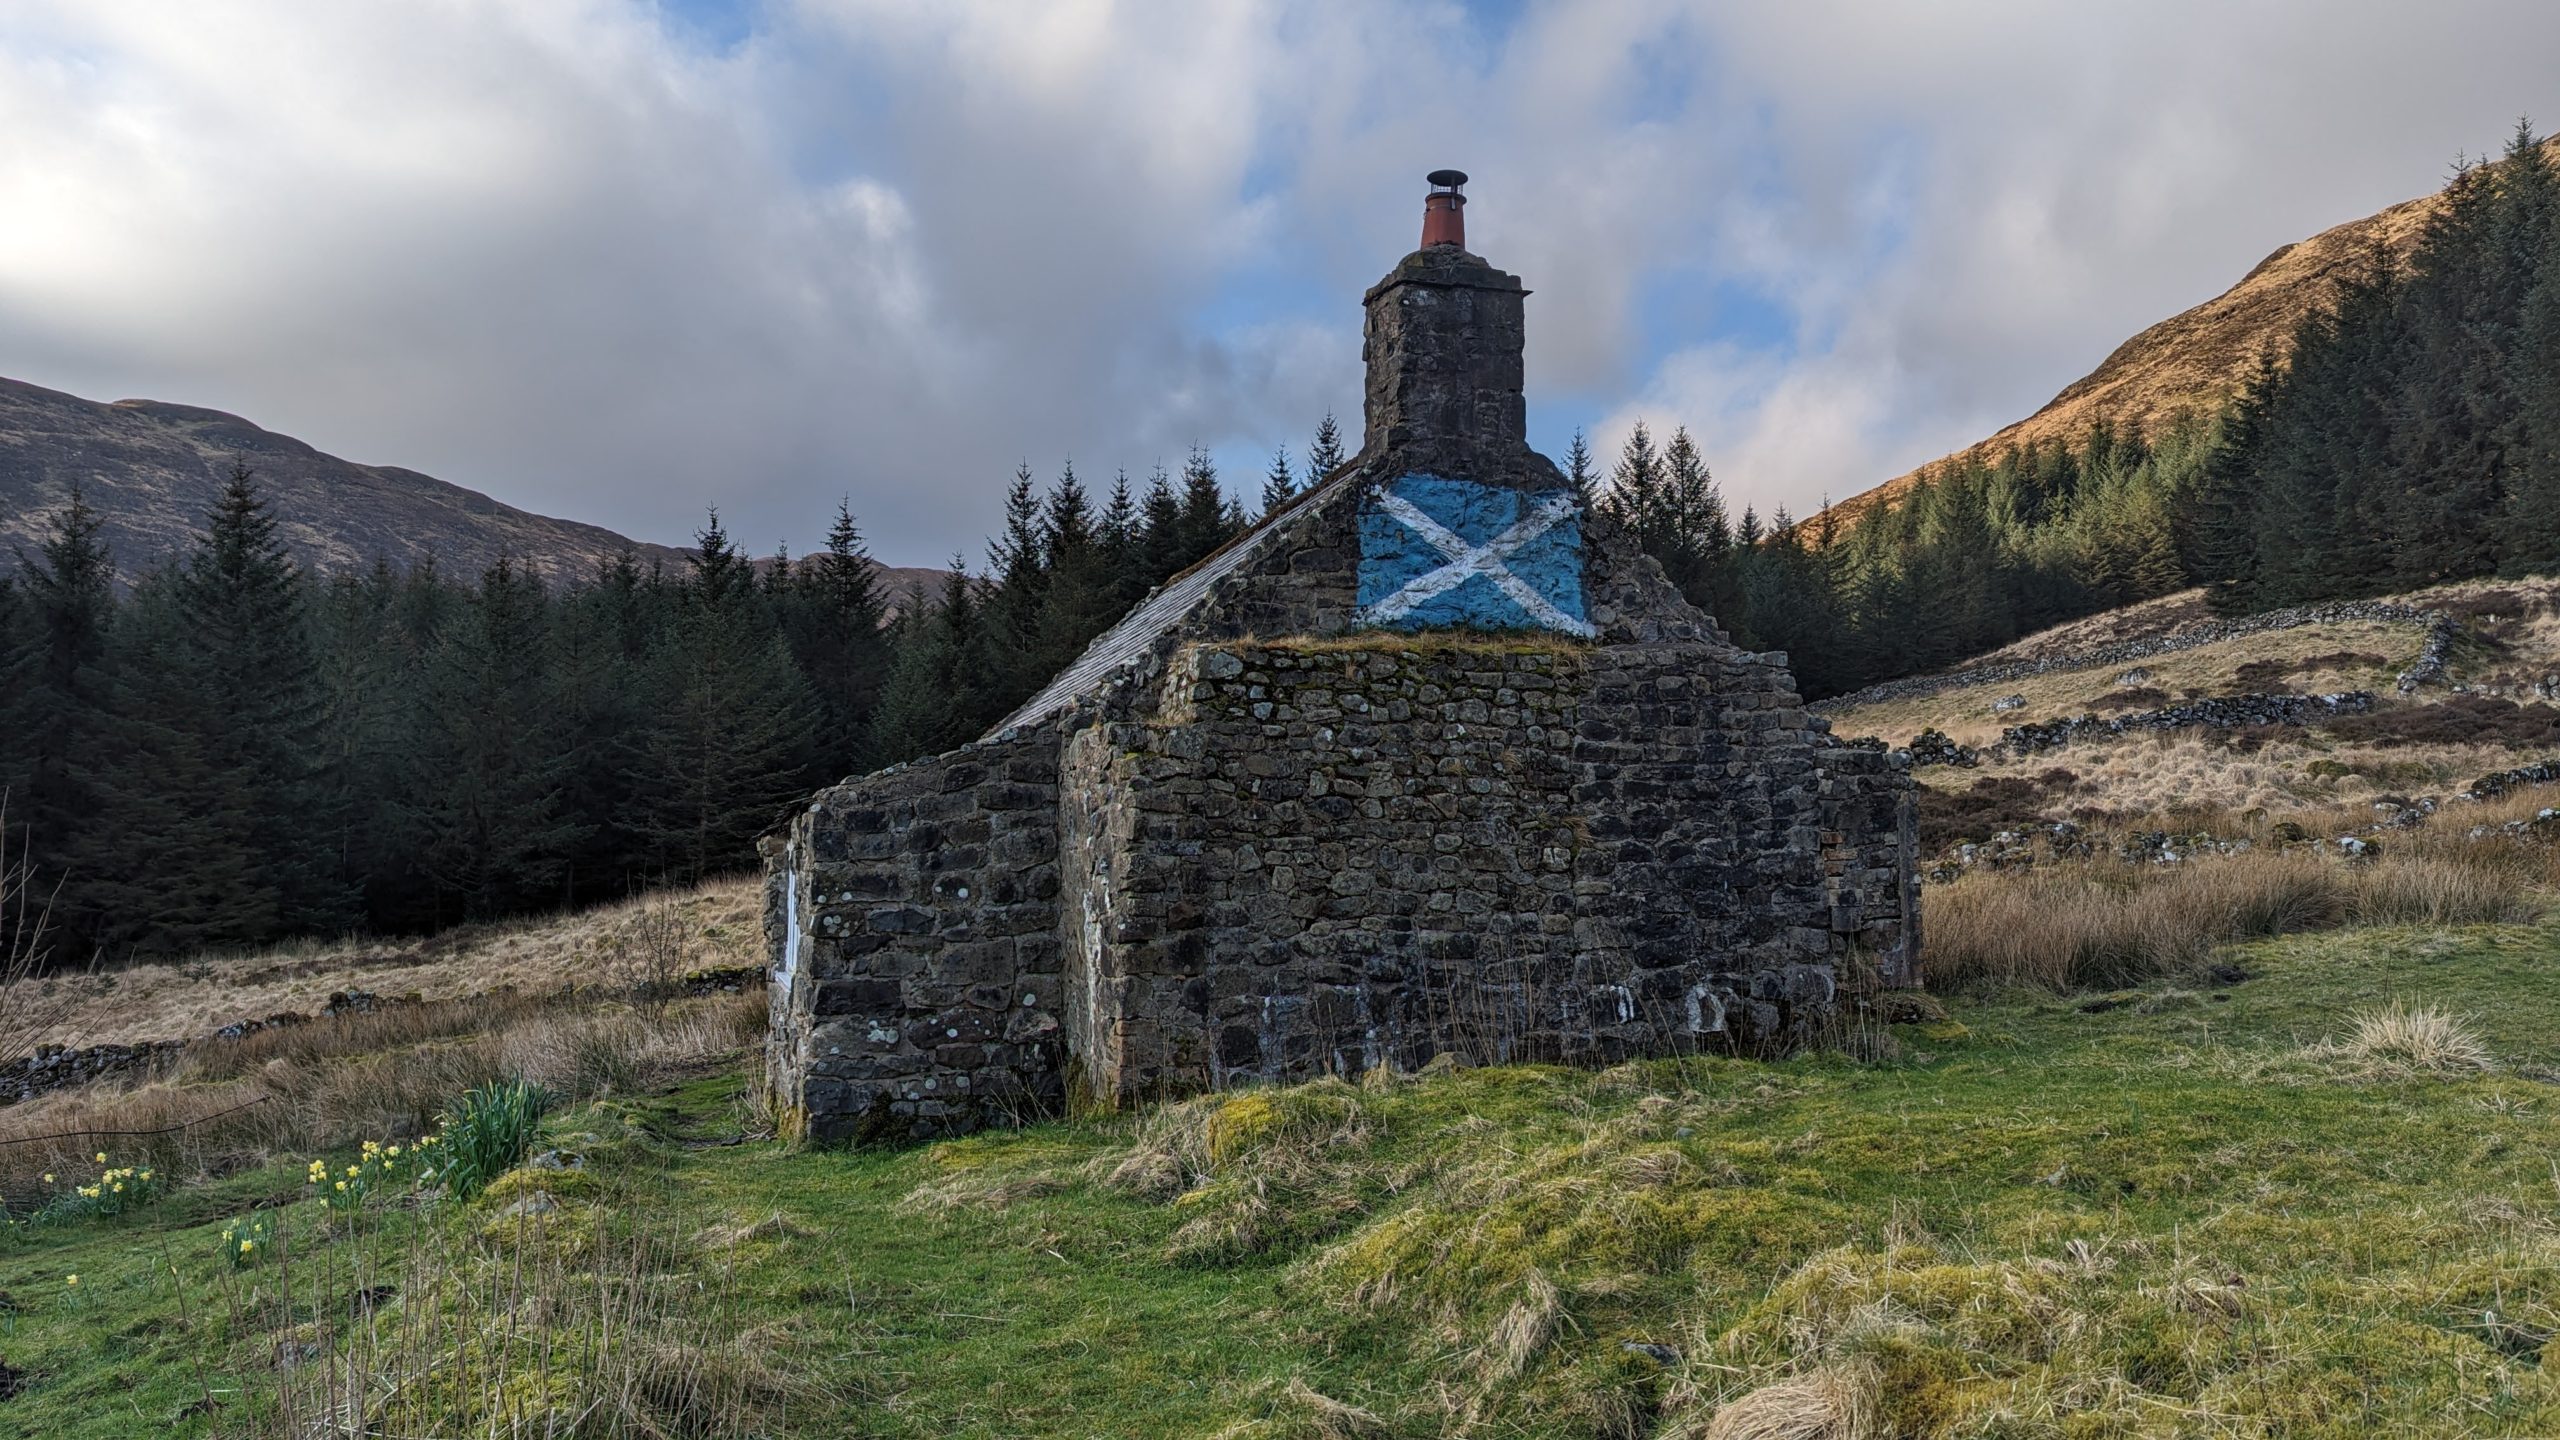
column 491, row 775
column 1207, row 519
column 2530, row 534
column 1017, row 611
column 2215, row 538
column 936, row 693
column 1278, row 485
column 1163, row 545
column 1324, row 453
column 1084, row 588
column 260, row 709
column 732, row 738
column 167, row 861
column 1120, row 539
column 70, row 605
column 1577, row 467
column 838, row 637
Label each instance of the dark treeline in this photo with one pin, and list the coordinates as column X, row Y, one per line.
column 1978, row 553
column 235, row 750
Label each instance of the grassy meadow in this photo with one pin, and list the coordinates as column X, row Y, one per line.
column 2322, row 1200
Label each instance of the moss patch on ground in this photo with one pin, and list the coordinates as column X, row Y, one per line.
column 2169, row 1212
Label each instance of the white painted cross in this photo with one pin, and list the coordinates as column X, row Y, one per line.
column 1463, row 561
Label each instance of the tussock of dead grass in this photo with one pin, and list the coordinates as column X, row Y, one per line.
column 2401, row 1039
column 1832, row 1402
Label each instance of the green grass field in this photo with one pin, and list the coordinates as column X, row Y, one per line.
column 2153, row 1213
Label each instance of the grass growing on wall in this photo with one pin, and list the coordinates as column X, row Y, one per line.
column 2317, row 1202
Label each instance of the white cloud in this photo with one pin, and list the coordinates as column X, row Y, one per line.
column 552, row 249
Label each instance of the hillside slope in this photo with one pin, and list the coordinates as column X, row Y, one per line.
column 153, row 469
column 2191, row 363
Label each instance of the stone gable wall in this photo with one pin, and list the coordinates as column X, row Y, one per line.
column 911, row 922
column 1319, row 857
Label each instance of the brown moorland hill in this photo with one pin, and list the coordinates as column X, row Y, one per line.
column 2192, row 362
column 152, row 470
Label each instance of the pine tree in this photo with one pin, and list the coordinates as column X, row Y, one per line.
column 1324, row 453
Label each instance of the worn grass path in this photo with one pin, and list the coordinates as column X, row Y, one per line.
column 2155, row 1213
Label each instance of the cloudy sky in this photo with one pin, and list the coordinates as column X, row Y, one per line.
column 622, row 259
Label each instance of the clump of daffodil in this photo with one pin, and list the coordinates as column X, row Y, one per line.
column 247, row 1238
column 116, row 1190
column 348, row 1188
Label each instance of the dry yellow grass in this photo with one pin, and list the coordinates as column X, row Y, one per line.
column 536, row 956
column 2403, row 1039
column 1825, row 1403
column 334, row 1082
column 1966, row 715
column 2166, row 774
column 2107, row 923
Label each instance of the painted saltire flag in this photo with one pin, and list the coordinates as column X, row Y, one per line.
column 1438, row 552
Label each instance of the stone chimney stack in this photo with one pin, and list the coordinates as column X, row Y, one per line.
column 1443, row 348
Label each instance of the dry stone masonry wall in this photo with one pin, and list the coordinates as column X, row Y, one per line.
column 912, row 921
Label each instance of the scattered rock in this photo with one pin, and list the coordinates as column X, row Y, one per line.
column 1659, row 1354
column 2007, row 703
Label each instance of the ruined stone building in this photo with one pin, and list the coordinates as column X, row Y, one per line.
column 1432, row 759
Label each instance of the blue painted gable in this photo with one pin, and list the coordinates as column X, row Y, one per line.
column 1436, row 553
